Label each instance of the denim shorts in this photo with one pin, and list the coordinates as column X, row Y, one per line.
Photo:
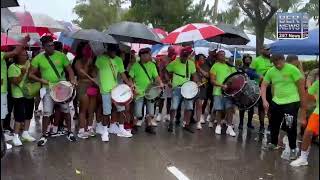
column 48, row 105
column 138, row 107
column 107, row 105
column 177, row 98
column 4, row 105
column 221, row 103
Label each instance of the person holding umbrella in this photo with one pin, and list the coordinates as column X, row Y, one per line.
column 182, row 70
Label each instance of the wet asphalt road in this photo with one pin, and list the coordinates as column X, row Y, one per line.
column 200, row 156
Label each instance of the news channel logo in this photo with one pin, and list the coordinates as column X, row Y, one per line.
column 292, row 25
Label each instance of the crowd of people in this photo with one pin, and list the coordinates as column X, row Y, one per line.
column 282, row 82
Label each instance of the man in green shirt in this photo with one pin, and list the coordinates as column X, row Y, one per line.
column 181, row 73
column 261, row 65
column 288, row 96
column 218, row 73
column 47, row 79
column 108, row 71
column 144, row 73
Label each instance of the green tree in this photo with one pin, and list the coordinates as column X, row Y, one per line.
column 97, row 14
column 312, row 8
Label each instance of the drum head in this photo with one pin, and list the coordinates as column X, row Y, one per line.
column 62, row 92
column 153, row 92
column 121, row 94
column 189, row 90
column 235, row 83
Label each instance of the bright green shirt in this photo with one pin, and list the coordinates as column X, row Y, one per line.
column 15, row 71
column 119, row 63
column 60, row 61
column 261, row 65
column 221, row 72
column 140, row 78
column 4, row 78
column 179, row 71
column 285, row 89
column 314, row 90
column 107, row 73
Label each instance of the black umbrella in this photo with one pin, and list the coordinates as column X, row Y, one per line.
column 232, row 36
column 92, row 35
column 133, row 32
column 9, row 3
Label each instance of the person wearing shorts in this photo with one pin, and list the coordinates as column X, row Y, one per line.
column 288, row 96
column 182, row 70
column 108, row 71
column 144, row 73
column 311, row 130
column 49, row 78
column 221, row 104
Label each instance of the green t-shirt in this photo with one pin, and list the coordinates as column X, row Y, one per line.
column 15, row 71
column 4, row 78
column 285, row 89
column 107, row 73
column 140, row 78
column 261, row 65
column 221, row 71
column 179, row 71
column 60, row 61
column 314, row 90
column 119, row 64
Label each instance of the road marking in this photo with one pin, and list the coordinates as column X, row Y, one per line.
column 177, row 173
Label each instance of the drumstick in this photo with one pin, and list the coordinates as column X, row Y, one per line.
column 87, row 75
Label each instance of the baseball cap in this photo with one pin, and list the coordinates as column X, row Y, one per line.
column 186, row 50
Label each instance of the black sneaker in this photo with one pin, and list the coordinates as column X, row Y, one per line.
column 134, row 130
column 43, row 140
column 188, row 129
column 170, row 127
column 150, row 130
column 71, row 137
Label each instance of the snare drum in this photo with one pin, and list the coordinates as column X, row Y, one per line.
column 62, row 92
column 189, row 90
column 121, row 95
column 153, row 91
column 245, row 93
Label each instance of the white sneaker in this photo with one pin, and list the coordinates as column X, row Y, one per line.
column 82, row 134
column 7, row 137
column 139, row 123
column 299, row 162
column 91, row 132
column 16, row 140
column 199, row 127
column 210, row 124
column 167, row 117
column 124, row 133
column 9, row 146
column 183, row 124
column 114, row 129
column 230, row 131
column 209, row 118
column 154, row 123
column 27, row 137
column 159, row 117
column 99, row 129
column 105, row 136
column 202, row 121
column 218, row 129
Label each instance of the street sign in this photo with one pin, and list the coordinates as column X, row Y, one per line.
column 292, row 25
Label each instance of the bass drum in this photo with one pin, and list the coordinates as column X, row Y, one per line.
column 121, row 95
column 245, row 93
column 63, row 92
column 189, row 90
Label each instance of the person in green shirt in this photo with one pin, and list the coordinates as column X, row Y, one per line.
column 181, row 73
column 312, row 128
column 221, row 104
column 23, row 106
column 144, row 73
column 108, row 71
column 48, row 78
column 261, row 65
column 288, row 96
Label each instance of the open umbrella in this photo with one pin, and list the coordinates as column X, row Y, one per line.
column 8, row 41
column 133, row 32
column 8, row 19
column 160, row 32
column 191, row 33
column 9, row 3
column 93, row 35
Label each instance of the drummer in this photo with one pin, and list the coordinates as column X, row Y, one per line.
column 182, row 70
column 108, row 72
column 218, row 73
column 49, row 78
column 144, row 73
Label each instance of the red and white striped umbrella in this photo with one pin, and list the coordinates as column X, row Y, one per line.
column 36, row 23
column 160, row 32
column 192, row 32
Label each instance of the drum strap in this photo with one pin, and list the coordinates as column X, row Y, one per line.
column 112, row 69
column 52, row 66
column 144, row 69
column 187, row 70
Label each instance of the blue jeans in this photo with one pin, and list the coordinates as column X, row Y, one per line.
column 177, row 98
column 138, row 106
column 221, row 103
column 107, row 105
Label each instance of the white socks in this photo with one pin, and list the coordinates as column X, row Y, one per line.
column 305, row 154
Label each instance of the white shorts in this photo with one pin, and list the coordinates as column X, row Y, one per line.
column 4, row 105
